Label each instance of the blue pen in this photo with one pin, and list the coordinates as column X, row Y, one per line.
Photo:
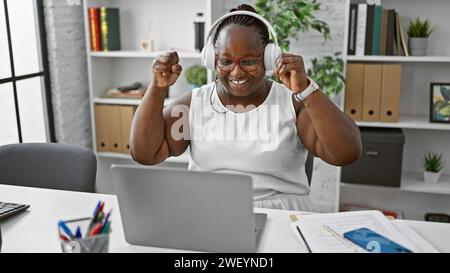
column 94, row 218
column 66, row 229
column 97, row 208
column 78, row 232
column 107, row 217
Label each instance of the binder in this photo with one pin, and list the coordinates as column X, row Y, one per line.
column 390, row 34
column 352, row 29
column 107, row 121
column 94, row 29
column 126, row 117
column 376, row 31
column 354, row 87
column 369, row 29
column 384, row 30
column 110, row 28
column 390, row 92
column 361, row 29
column 372, row 92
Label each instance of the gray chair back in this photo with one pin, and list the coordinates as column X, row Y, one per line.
column 48, row 165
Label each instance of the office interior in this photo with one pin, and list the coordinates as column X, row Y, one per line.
column 63, row 80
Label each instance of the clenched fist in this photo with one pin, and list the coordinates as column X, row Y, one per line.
column 166, row 70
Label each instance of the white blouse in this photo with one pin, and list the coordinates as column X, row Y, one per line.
column 261, row 142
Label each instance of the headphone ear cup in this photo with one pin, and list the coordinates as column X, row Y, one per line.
column 209, row 56
column 271, row 53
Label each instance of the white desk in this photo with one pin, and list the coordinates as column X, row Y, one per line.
column 36, row 229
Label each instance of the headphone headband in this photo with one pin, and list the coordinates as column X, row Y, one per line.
column 213, row 29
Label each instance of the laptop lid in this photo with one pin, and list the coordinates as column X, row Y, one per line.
column 177, row 208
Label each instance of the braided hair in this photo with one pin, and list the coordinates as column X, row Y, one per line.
column 244, row 20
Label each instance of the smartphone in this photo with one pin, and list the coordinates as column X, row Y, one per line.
column 374, row 242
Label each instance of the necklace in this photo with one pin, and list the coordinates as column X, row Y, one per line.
column 211, row 102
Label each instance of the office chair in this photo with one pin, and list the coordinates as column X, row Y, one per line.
column 48, row 165
column 309, row 164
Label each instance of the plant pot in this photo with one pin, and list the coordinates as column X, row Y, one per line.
column 431, row 177
column 418, row 46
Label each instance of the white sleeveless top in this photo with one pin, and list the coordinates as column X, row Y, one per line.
column 261, row 142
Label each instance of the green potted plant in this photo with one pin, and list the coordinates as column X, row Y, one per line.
column 290, row 17
column 327, row 71
column 432, row 162
column 196, row 75
column 418, row 32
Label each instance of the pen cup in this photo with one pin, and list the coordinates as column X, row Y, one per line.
column 92, row 244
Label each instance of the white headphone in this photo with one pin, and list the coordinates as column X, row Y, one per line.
column 271, row 52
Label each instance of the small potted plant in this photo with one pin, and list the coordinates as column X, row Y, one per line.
column 418, row 32
column 433, row 165
column 196, row 76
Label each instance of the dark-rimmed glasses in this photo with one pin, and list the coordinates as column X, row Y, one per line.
column 248, row 64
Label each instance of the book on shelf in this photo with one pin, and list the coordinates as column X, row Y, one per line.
column 104, row 28
column 369, row 29
column 401, row 34
column 94, row 28
column 352, row 29
column 110, row 28
column 374, row 31
column 383, row 31
column 390, row 32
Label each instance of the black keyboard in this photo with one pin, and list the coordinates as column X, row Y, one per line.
column 8, row 209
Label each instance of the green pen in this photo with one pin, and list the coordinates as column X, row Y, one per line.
column 105, row 228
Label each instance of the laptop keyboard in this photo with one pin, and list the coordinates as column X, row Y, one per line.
column 8, row 209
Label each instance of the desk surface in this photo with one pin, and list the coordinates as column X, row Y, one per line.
column 36, row 229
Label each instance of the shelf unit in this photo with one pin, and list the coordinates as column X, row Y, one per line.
column 117, row 68
column 413, row 182
column 408, row 121
column 140, row 54
column 400, row 59
column 414, row 197
column 124, row 101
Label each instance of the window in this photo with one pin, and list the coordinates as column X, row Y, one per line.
column 25, row 106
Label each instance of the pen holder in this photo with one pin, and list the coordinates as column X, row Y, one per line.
column 93, row 244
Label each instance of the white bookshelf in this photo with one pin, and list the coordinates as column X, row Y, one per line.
column 170, row 31
column 124, row 101
column 414, row 197
column 408, row 121
column 140, row 54
column 413, row 182
column 400, row 59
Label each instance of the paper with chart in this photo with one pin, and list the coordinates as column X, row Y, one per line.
column 319, row 239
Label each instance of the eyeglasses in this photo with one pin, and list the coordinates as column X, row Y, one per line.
column 248, row 64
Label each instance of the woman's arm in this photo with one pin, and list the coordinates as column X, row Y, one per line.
column 151, row 138
column 324, row 129
column 327, row 132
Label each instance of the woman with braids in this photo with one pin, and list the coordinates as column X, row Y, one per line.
column 242, row 122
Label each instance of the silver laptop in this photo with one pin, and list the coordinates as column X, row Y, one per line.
column 177, row 208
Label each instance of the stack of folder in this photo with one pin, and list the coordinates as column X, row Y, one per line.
column 372, row 92
column 113, row 126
